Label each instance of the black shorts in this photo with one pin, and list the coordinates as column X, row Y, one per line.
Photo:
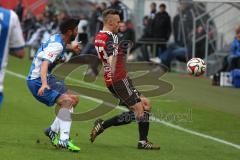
column 125, row 92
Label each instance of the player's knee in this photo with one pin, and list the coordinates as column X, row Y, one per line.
column 75, row 100
column 147, row 108
column 137, row 106
column 146, row 104
column 65, row 101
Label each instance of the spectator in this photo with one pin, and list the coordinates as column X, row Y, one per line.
column 147, row 29
column 183, row 25
column 51, row 10
column 173, row 52
column 87, row 49
column 153, row 10
column 230, row 61
column 103, row 6
column 162, row 24
column 57, row 19
column 147, row 33
column 235, row 46
column 126, row 33
column 126, row 36
column 177, row 30
column 82, row 31
column 122, row 8
column 200, row 45
column 29, row 24
column 19, row 10
column 62, row 16
column 96, row 22
column 144, row 50
column 176, row 51
column 149, row 20
column 161, row 29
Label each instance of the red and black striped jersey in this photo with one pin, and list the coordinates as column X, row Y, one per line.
column 106, row 44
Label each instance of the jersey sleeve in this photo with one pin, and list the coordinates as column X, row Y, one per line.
column 16, row 40
column 112, row 45
column 52, row 51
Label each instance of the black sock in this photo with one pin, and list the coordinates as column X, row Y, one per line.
column 122, row 119
column 143, row 127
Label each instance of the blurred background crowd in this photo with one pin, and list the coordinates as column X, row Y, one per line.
column 165, row 32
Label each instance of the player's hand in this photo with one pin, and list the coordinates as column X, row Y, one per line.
column 75, row 47
column 41, row 90
column 139, row 110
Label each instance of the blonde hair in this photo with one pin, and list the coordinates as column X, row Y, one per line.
column 108, row 12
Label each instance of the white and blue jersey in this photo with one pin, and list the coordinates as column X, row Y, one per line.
column 49, row 51
column 10, row 37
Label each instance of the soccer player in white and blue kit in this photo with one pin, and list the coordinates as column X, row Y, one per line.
column 10, row 38
column 48, row 90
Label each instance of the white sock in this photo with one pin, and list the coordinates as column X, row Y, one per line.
column 142, row 142
column 55, row 125
column 71, row 110
column 65, row 125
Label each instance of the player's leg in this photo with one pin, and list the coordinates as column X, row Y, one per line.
column 136, row 110
column 59, row 130
column 62, row 122
column 73, row 96
column 128, row 97
column 53, row 131
column 101, row 125
column 143, row 127
column 67, row 103
column 126, row 118
column 118, row 120
column 60, row 89
column 60, row 95
column 48, row 98
column 141, row 111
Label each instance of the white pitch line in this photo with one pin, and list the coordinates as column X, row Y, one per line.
column 16, row 74
column 152, row 117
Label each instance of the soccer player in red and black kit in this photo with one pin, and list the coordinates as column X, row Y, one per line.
column 119, row 84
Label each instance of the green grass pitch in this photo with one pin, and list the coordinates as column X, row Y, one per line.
column 215, row 113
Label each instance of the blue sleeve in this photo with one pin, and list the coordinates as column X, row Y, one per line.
column 233, row 48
